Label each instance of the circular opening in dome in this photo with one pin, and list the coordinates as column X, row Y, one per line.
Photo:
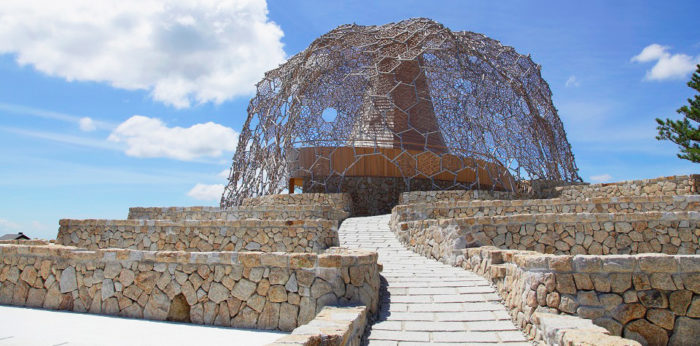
column 329, row 114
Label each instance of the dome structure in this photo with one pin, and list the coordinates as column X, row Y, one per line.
column 403, row 106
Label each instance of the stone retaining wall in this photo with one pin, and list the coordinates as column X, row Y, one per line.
column 339, row 201
column 453, row 196
column 244, row 290
column 441, row 210
column 242, row 235
column 664, row 186
column 652, row 298
column 333, row 326
column 261, row 212
column 603, row 233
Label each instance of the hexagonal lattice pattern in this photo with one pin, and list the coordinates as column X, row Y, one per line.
column 481, row 111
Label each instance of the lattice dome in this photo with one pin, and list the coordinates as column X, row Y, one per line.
column 411, row 101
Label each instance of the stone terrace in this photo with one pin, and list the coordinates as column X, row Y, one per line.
column 628, row 291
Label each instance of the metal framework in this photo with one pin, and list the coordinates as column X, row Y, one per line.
column 411, row 100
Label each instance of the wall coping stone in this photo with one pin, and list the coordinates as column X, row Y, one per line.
column 563, row 218
column 195, row 223
column 573, row 330
column 331, row 258
column 550, row 201
column 635, row 182
column 332, row 326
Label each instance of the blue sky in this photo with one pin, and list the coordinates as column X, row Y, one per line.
column 106, row 105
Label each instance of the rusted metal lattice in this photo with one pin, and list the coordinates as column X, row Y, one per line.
column 412, row 101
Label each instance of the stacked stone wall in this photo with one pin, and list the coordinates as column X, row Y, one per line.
column 453, row 196
column 585, row 233
column 652, row 298
column 244, row 290
column 261, row 212
column 479, row 208
column 543, row 189
column 664, row 186
column 242, row 235
column 333, row 326
column 339, row 201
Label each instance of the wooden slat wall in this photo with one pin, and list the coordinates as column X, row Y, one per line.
column 371, row 162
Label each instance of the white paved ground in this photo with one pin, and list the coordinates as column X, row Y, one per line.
column 427, row 301
column 24, row 326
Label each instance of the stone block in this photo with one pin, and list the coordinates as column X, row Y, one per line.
column 679, row 301
column 565, row 284
column 661, row 317
column 627, row 312
column 243, row 289
column 646, row 333
column 68, row 282
column 694, row 309
column 653, row 299
column 658, row 263
column 685, row 332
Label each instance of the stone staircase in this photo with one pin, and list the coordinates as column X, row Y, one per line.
column 424, row 301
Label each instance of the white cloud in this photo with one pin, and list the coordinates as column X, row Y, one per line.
column 205, row 192
column 572, row 81
column 602, row 178
column 650, row 53
column 224, row 173
column 87, row 124
column 181, row 51
column 150, row 137
column 667, row 66
column 47, row 114
column 62, row 138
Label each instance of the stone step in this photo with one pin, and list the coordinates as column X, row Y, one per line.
column 479, row 208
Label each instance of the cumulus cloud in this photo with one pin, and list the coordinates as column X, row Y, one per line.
column 667, row 66
column 205, row 192
column 150, row 137
column 182, row 51
column 87, row 124
column 572, row 82
column 602, row 178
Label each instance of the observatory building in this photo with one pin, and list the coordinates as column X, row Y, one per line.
column 379, row 110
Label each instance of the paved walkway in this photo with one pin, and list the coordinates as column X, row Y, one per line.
column 28, row 327
column 426, row 301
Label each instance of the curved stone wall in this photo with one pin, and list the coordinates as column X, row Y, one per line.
column 242, row 235
column 479, row 208
column 340, row 201
column 594, row 234
column 261, row 212
column 651, row 298
column 245, row 290
column 453, row 196
column 664, row 186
